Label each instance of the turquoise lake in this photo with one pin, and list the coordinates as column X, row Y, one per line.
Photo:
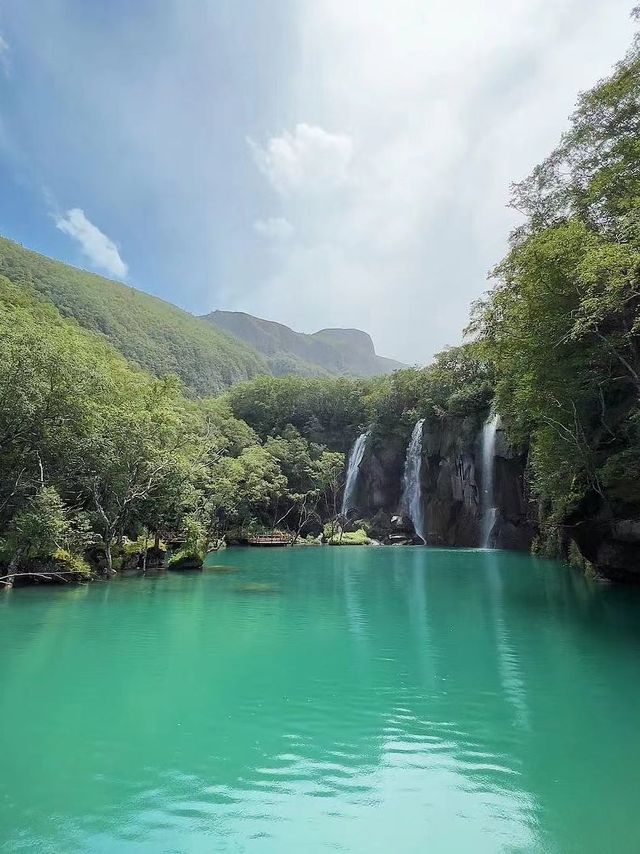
column 324, row 699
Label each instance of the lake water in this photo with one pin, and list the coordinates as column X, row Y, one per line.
column 323, row 699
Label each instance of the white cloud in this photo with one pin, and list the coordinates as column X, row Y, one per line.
column 101, row 251
column 275, row 227
column 448, row 105
column 307, row 159
column 387, row 134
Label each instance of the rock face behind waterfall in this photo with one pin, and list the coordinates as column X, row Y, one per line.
column 451, row 484
column 514, row 524
column 381, row 471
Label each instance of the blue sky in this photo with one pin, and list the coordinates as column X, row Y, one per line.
column 317, row 162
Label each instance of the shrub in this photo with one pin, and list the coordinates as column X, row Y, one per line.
column 350, row 538
column 71, row 562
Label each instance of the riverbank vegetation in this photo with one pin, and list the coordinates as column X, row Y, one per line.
column 96, row 454
column 103, row 464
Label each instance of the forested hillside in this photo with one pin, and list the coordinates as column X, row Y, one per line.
column 208, row 354
column 341, row 352
column 95, row 454
column 149, row 332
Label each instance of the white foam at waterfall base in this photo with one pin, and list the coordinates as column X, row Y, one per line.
column 487, row 504
column 353, row 467
column 411, row 501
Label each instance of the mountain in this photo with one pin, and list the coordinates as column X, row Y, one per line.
column 208, row 354
column 149, row 332
column 329, row 352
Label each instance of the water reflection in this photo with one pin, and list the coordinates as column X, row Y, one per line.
column 513, row 686
column 375, row 700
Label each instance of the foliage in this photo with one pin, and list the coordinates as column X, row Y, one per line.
column 333, row 412
column 41, row 527
column 562, row 323
column 131, row 548
column 194, row 546
column 313, row 476
column 184, row 555
column 326, row 411
column 149, row 332
column 44, row 529
column 458, row 382
column 70, row 562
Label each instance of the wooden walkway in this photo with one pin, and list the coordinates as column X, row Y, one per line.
column 272, row 540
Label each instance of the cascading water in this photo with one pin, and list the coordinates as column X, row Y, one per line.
column 353, row 467
column 487, row 504
column 411, row 502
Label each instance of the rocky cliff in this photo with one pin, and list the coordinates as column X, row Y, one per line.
column 329, row 352
column 609, row 543
column 451, row 481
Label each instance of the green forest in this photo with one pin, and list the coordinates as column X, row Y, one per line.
column 128, row 427
column 152, row 334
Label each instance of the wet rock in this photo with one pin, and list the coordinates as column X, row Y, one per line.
column 451, row 481
column 627, row 530
column 612, row 546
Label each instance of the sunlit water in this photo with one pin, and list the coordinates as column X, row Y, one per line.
column 353, row 700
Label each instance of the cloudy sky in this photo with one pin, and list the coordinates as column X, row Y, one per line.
column 317, row 162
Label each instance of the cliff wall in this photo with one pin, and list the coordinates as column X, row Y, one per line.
column 452, row 488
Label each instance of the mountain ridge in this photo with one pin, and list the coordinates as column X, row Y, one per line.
column 327, row 352
column 150, row 332
column 159, row 337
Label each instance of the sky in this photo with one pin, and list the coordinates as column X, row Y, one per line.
column 315, row 162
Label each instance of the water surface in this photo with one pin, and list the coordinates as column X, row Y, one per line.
column 324, row 699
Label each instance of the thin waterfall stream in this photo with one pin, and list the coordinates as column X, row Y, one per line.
column 411, row 501
column 488, row 503
column 353, row 467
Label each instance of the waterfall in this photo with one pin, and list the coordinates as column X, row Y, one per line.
column 487, row 504
column 355, row 458
column 411, row 489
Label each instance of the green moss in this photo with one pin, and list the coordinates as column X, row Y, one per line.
column 71, row 563
column 136, row 547
column 350, row 538
column 186, row 557
column 309, row 540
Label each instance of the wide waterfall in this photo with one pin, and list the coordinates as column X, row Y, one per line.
column 488, row 504
column 411, row 502
column 355, row 458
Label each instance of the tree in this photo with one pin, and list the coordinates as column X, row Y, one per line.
column 310, row 470
column 562, row 323
column 137, row 443
column 44, row 528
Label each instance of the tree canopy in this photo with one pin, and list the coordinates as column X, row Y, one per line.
column 562, row 323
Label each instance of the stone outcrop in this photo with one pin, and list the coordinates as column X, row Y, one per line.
column 451, row 479
column 611, row 545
